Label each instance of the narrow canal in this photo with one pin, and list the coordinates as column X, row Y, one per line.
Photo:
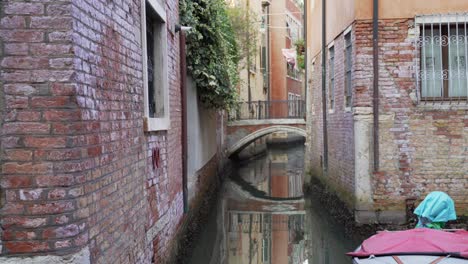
column 262, row 217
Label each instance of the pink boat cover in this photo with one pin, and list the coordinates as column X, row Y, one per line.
column 419, row 241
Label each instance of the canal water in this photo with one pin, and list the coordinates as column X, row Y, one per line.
column 262, row 217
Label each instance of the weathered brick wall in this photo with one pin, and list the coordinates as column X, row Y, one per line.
column 109, row 92
column 423, row 147
column 340, row 125
column 363, row 64
column 314, row 119
column 42, row 152
column 77, row 165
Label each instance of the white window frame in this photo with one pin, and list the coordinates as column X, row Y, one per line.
column 346, row 33
column 155, row 123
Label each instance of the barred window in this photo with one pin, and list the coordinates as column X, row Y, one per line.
column 443, row 47
column 348, row 64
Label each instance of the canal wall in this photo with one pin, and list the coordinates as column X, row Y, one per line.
column 87, row 175
column 201, row 205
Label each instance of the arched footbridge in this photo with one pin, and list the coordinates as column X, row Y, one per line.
column 255, row 119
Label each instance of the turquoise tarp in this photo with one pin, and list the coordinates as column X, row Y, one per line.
column 437, row 207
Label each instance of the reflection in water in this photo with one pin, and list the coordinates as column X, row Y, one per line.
column 262, row 218
column 265, row 238
column 276, row 174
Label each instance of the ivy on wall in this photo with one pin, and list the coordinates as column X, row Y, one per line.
column 212, row 52
column 300, row 50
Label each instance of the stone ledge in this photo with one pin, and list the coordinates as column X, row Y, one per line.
column 442, row 106
column 81, row 257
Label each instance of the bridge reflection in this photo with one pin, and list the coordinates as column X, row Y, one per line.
column 266, row 222
column 263, row 218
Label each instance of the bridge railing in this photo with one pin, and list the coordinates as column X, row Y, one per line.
column 276, row 109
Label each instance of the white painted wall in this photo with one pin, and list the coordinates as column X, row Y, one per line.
column 201, row 134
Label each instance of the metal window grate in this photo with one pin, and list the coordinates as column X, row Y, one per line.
column 441, row 48
column 348, row 64
column 331, row 88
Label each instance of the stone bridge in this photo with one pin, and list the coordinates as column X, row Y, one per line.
column 243, row 132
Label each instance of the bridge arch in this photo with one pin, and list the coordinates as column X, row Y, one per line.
column 243, row 142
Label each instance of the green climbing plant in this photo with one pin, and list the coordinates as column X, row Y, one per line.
column 212, row 51
column 245, row 25
column 300, row 51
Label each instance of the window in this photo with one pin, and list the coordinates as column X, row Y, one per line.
column 443, row 48
column 293, row 72
column 331, row 87
column 294, row 105
column 293, row 28
column 348, row 64
column 263, row 55
column 154, row 42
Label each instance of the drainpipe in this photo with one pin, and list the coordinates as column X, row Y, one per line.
column 183, row 94
column 247, row 41
column 375, row 37
column 306, row 59
column 324, row 87
column 268, row 58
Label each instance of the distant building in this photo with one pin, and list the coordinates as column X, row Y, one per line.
column 422, row 104
column 254, row 82
column 270, row 77
column 286, row 26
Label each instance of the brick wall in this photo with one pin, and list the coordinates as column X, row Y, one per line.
column 423, row 147
column 340, row 124
column 77, row 166
column 42, row 141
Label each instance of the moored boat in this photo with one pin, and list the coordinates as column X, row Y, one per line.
column 418, row 246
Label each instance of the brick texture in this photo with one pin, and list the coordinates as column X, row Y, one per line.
column 423, row 148
column 77, row 167
column 340, row 124
column 37, row 192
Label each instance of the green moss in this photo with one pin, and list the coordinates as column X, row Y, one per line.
column 317, row 177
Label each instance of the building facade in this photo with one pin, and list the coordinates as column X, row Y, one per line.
column 269, row 78
column 253, row 84
column 92, row 132
column 286, row 79
column 420, row 143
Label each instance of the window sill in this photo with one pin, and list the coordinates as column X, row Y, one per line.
column 331, row 111
column 443, row 105
column 156, row 124
column 348, row 109
column 292, row 78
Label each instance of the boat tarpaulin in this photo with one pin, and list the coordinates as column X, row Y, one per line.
column 437, row 207
column 419, row 241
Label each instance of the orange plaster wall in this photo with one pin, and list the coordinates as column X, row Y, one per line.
column 342, row 13
column 389, row 9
